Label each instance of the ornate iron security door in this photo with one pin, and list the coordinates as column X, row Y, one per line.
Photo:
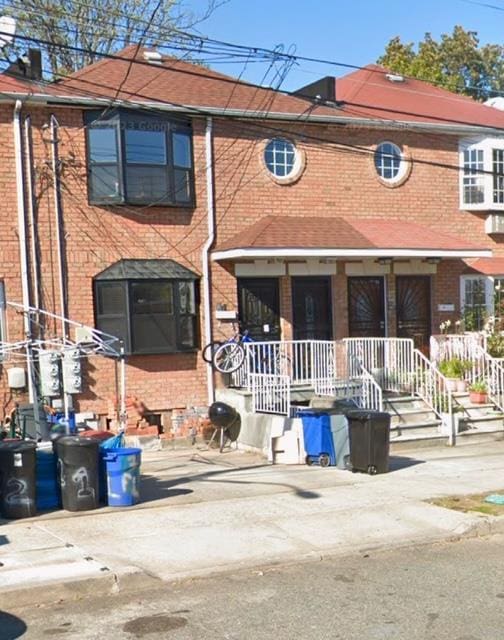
column 366, row 307
column 311, row 306
column 413, row 310
column 259, row 307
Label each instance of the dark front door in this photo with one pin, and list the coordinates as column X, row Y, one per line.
column 311, row 308
column 366, row 307
column 413, row 309
column 259, row 307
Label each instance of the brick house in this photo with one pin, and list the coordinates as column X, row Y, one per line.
column 369, row 205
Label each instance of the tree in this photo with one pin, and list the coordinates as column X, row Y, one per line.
column 99, row 27
column 456, row 62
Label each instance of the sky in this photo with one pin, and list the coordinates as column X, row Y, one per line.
column 354, row 31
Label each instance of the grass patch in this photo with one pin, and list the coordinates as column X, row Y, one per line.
column 474, row 502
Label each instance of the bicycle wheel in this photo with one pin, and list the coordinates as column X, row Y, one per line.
column 228, row 357
column 209, row 350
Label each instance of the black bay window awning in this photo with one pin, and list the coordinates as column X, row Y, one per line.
column 146, row 269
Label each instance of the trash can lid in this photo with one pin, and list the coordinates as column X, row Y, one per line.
column 17, row 446
column 76, row 441
column 366, row 414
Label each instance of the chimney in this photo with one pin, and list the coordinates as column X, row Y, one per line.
column 27, row 66
column 323, row 90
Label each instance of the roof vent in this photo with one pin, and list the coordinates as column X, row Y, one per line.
column 394, row 77
column 153, row 57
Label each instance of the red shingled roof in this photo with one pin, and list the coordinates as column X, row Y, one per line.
column 178, row 82
column 288, row 232
column 368, row 93
column 486, row 266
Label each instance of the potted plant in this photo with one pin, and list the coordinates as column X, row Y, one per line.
column 453, row 371
column 478, row 392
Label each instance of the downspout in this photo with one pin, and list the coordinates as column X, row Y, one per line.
column 207, row 303
column 23, row 256
column 59, row 223
column 31, row 213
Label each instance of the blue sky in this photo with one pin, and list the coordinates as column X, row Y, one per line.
column 354, row 31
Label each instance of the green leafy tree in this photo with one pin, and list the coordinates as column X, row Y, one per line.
column 99, row 26
column 456, row 61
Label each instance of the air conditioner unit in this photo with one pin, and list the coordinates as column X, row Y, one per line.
column 494, row 223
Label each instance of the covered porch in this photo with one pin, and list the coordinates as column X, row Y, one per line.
column 345, row 310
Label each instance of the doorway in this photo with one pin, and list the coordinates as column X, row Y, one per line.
column 413, row 310
column 366, row 307
column 312, row 308
column 259, row 307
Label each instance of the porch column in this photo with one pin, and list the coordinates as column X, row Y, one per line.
column 340, row 303
column 286, row 307
column 390, row 296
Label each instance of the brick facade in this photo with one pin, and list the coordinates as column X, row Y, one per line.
column 337, row 181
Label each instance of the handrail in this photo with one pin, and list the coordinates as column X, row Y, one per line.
column 430, row 385
column 490, row 370
column 372, row 394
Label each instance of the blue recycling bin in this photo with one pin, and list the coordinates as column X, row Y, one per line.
column 48, row 494
column 318, row 440
column 122, row 467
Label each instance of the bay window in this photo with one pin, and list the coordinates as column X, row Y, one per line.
column 139, row 159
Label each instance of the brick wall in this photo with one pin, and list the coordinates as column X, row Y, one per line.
column 336, row 182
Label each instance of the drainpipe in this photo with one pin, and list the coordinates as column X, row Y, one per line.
column 23, row 257
column 59, row 222
column 207, row 303
column 31, row 213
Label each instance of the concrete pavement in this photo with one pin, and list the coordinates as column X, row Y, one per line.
column 204, row 513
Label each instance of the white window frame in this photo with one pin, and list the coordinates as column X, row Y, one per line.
column 403, row 163
column 489, row 291
column 487, row 145
column 297, row 166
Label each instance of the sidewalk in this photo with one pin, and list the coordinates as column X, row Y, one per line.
column 204, row 512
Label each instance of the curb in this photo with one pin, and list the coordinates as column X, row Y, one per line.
column 105, row 585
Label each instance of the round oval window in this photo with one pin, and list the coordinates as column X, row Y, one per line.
column 389, row 162
column 281, row 158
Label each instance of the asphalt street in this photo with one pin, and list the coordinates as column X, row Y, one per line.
column 446, row 591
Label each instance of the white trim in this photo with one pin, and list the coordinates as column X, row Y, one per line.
column 489, row 280
column 260, row 268
column 485, row 144
column 366, row 268
column 252, row 253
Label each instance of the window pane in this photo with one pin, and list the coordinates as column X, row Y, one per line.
column 182, row 150
column 473, row 179
column 102, row 144
column 111, row 299
column 104, row 182
column 152, row 297
column 145, row 147
column 187, row 332
column 182, row 185
column 388, row 160
column 147, row 185
column 186, row 298
column 154, row 332
column 280, row 157
column 498, row 175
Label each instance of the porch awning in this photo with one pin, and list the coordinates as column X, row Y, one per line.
column 301, row 237
column 146, row 269
column 486, row 266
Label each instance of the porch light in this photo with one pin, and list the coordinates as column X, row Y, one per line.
column 385, row 261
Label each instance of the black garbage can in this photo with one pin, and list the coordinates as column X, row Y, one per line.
column 17, row 479
column 78, row 464
column 369, row 433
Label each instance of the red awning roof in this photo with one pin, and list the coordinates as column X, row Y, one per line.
column 486, row 266
column 301, row 236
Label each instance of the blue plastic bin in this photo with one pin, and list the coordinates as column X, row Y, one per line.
column 123, row 476
column 318, row 440
column 48, row 494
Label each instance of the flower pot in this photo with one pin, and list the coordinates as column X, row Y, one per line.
column 461, row 386
column 477, row 397
column 451, row 384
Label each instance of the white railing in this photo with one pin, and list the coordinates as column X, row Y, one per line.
column 430, row 384
column 307, row 362
column 270, row 393
column 462, row 346
column 388, row 360
column 370, row 395
column 489, row 370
